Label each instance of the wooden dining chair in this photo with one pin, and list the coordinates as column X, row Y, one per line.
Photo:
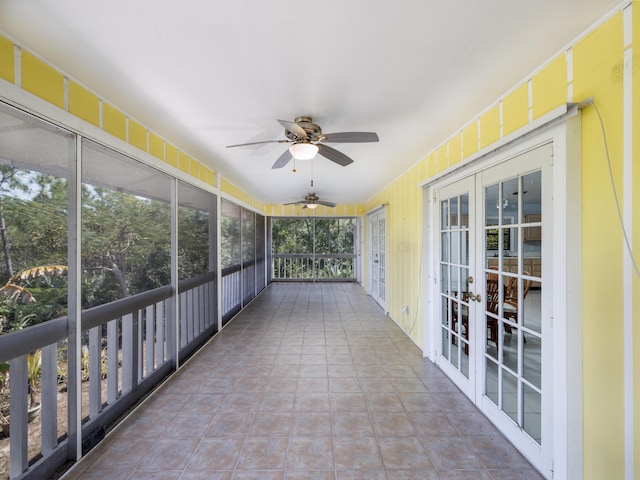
column 510, row 308
column 492, row 306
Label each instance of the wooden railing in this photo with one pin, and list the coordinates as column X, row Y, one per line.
column 307, row 266
column 231, row 292
column 127, row 348
column 15, row 348
column 198, row 312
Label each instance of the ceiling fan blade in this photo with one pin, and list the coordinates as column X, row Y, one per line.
column 351, row 137
column 326, row 204
column 294, row 128
column 295, row 203
column 283, row 159
column 334, row 155
column 258, row 143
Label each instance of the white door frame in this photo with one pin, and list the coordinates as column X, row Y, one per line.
column 562, row 128
column 382, row 210
column 461, row 186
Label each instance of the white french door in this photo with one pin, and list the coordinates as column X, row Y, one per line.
column 456, row 241
column 491, row 298
column 377, row 256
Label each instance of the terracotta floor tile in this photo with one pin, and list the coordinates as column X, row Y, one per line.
column 263, row 454
column 351, row 424
column 310, row 425
column 392, row 424
column 307, row 453
column 230, row 425
column 271, row 425
column 497, row 453
column 277, row 402
column 361, row 474
column 216, row 454
column 384, row 402
column 356, row 453
column 188, row 425
column 168, row 454
column 347, row 402
column 430, row 424
column 308, row 384
column 419, row 474
column 310, row 475
column 449, row 453
column 311, row 402
column 407, row 452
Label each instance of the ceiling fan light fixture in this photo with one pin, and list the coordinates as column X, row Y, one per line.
column 303, row 150
column 312, row 205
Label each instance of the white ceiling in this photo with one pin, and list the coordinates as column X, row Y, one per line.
column 205, row 74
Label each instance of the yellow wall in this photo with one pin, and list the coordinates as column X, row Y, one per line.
column 404, row 249
column 48, row 83
column 598, row 72
column 340, row 210
column 596, row 59
column 230, row 189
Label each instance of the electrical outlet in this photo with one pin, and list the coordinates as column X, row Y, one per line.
column 405, row 309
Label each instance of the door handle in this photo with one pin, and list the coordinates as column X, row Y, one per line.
column 474, row 297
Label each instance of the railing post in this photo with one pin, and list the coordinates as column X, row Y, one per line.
column 172, row 314
column 149, row 321
column 49, row 398
column 74, row 252
column 129, row 362
column 160, row 331
column 219, row 254
column 95, row 379
column 18, row 462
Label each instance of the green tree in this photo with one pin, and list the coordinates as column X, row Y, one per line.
column 10, row 182
column 127, row 237
column 193, row 242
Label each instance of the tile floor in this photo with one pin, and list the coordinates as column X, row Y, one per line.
column 311, row 381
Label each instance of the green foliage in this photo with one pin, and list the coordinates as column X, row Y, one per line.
column 34, row 371
column 311, row 236
column 126, row 236
column 85, row 361
column 230, row 241
column 126, row 243
column 193, row 242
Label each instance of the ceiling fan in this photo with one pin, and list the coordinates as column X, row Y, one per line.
column 312, row 201
column 308, row 140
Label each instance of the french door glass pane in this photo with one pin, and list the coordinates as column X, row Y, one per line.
column 444, row 279
column 445, row 343
column 455, row 246
column 509, row 202
column 454, row 284
column 464, row 211
column 509, row 395
column 531, row 363
column 532, row 412
column 491, row 205
column 512, row 242
column 444, row 247
column 491, row 380
column 444, row 214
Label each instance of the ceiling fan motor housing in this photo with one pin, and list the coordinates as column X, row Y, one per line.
column 314, row 132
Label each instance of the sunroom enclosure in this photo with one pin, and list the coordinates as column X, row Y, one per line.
column 110, row 280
